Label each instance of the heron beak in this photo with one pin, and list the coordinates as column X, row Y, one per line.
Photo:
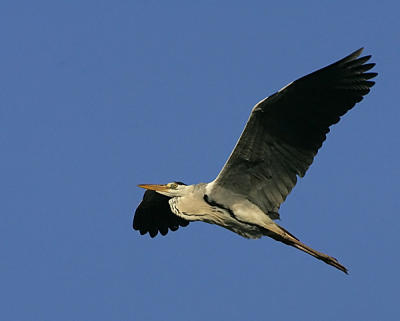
column 154, row 187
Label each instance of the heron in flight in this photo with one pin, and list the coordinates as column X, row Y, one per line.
column 279, row 142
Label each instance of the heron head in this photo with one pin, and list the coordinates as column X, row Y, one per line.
column 171, row 189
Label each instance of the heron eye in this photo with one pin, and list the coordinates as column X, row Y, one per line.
column 173, row 185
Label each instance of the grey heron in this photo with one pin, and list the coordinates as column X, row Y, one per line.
column 279, row 142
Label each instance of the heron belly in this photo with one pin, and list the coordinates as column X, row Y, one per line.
column 194, row 209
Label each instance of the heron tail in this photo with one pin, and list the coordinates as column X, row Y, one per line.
column 280, row 234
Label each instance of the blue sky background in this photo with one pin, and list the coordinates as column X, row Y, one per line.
column 99, row 96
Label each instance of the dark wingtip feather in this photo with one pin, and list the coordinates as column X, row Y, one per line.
column 354, row 54
column 154, row 215
column 350, row 57
column 359, row 61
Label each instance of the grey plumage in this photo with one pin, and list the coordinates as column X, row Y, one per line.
column 285, row 131
column 279, row 142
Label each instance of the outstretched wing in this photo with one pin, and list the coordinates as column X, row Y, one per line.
column 154, row 215
column 285, row 131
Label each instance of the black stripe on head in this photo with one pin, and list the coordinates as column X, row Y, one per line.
column 180, row 183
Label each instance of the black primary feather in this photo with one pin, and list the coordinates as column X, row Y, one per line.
column 154, row 215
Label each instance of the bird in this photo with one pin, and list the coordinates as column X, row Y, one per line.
column 278, row 144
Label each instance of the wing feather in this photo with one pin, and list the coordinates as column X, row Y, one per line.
column 285, row 131
column 154, row 215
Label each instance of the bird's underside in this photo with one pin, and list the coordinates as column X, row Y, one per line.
column 156, row 214
column 280, row 140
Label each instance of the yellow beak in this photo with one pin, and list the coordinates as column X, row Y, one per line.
column 154, row 187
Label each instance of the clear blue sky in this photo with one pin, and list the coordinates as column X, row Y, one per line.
column 99, row 96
